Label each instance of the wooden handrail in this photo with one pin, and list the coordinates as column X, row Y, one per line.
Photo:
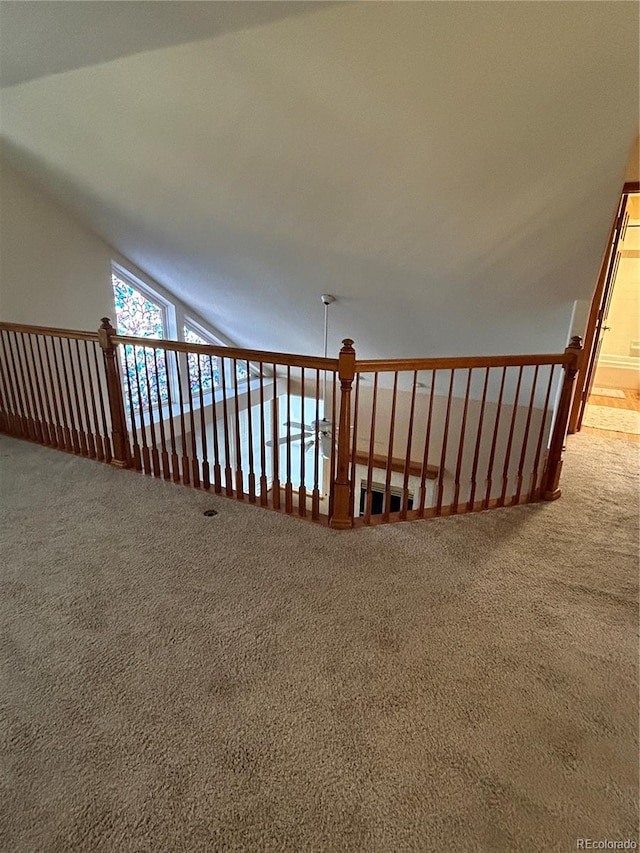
column 291, row 359
column 279, row 358
column 295, row 360
column 50, row 331
column 402, row 364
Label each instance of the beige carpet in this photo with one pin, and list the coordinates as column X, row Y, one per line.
column 607, row 417
column 248, row 682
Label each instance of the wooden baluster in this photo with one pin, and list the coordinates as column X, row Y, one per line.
column 551, row 479
column 425, row 457
column 443, row 453
column 302, row 492
column 354, row 450
column 101, row 382
column 68, row 443
column 120, row 439
column 146, row 455
column 15, row 425
column 5, row 414
column 60, row 436
column 494, row 440
column 252, row 475
column 82, row 435
column 507, row 455
column 206, row 480
column 175, row 461
column 43, row 389
column 545, row 414
column 75, row 433
column 315, row 497
column 91, row 450
column 23, row 359
column 19, row 419
column 137, row 453
column 186, row 473
column 217, row 475
column 96, row 441
column 392, row 425
column 525, row 439
column 476, row 453
column 238, row 444
column 372, row 437
column 166, row 467
column 155, row 456
column 264, row 486
column 288, row 487
column 25, row 431
column 29, row 390
column 23, row 400
column 40, row 397
column 275, row 457
column 228, row 477
column 332, row 463
column 195, row 467
column 404, row 506
column 23, row 424
column 463, row 426
column 340, row 518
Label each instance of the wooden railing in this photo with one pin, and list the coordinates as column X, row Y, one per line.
column 53, row 389
column 343, row 442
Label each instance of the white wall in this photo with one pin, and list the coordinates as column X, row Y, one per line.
column 53, row 271
column 56, row 272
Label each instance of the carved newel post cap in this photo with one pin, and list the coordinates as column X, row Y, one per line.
column 576, row 342
column 106, row 324
column 347, row 345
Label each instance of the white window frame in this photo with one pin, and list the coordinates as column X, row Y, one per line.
column 167, row 307
column 168, row 310
column 175, row 317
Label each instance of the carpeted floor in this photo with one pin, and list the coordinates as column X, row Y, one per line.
column 171, row 682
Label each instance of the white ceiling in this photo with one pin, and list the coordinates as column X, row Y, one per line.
column 440, row 167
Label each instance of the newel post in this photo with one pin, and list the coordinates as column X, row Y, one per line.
column 341, row 517
column 119, row 436
column 550, row 484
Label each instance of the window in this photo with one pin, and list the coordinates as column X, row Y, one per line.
column 139, row 315
column 241, row 371
column 202, row 368
column 136, row 314
column 147, row 377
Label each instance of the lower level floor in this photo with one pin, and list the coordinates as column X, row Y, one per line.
column 614, row 413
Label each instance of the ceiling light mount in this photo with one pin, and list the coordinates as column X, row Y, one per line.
column 327, row 299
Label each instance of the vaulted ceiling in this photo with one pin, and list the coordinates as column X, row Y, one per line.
column 443, row 168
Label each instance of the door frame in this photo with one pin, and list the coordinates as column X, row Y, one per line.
column 599, row 307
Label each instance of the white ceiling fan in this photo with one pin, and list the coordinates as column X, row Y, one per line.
column 321, row 430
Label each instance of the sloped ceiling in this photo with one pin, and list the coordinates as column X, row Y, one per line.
column 448, row 170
